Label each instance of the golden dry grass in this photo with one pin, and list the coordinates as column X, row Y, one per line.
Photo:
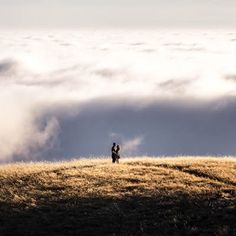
column 139, row 196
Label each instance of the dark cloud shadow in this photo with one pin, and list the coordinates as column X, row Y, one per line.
column 149, row 50
column 108, row 73
column 66, row 44
column 8, row 67
column 231, row 77
column 166, row 128
column 176, row 86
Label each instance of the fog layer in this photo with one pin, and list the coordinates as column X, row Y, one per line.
column 67, row 94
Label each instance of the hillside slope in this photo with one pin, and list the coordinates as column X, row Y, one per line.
column 141, row 196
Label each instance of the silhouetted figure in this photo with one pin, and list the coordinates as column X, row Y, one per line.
column 113, row 153
column 117, row 153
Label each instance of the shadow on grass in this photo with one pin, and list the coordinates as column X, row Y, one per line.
column 162, row 215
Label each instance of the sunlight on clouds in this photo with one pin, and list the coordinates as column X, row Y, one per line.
column 44, row 70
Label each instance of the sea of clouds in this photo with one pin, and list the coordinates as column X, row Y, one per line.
column 66, row 94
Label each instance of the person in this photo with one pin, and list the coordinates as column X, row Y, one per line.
column 117, row 153
column 113, row 153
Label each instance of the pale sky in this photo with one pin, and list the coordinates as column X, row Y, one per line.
column 120, row 13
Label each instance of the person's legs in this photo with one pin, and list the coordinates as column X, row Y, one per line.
column 117, row 158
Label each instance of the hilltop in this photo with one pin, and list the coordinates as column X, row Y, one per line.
column 140, row 196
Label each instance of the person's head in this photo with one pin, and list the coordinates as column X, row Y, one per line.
column 118, row 146
column 114, row 144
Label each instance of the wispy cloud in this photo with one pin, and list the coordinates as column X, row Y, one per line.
column 131, row 146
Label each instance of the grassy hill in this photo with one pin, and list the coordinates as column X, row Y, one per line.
column 141, row 196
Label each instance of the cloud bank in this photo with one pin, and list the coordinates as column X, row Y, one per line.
column 65, row 94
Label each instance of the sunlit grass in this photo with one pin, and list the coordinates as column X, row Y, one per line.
column 27, row 187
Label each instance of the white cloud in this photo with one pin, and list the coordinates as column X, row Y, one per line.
column 39, row 73
column 131, row 146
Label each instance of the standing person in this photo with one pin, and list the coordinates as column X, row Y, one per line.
column 113, row 153
column 117, row 153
